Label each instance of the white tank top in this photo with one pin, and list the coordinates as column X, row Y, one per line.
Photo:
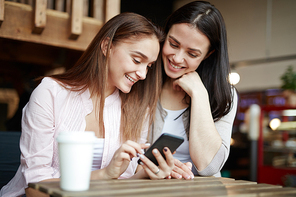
column 175, row 126
column 98, row 154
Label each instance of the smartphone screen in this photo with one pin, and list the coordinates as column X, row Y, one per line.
column 165, row 140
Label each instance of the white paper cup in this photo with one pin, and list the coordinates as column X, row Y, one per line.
column 76, row 155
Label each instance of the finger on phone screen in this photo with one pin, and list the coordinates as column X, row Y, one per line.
column 145, row 146
column 139, row 148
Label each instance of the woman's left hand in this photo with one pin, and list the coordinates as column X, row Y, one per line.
column 165, row 165
column 182, row 170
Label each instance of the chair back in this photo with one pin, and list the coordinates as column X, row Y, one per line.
column 9, row 155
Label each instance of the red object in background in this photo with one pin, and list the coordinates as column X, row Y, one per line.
column 274, row 176
column 268, row 173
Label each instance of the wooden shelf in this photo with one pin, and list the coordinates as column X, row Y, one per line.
column 38, row 37
column 18, row 25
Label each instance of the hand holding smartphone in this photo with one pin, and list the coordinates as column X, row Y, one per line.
column 165, row 140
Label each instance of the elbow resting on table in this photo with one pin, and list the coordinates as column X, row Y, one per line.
column 216, row 164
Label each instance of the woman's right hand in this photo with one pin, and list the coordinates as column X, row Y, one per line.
column 120, row 161
column 190, row 83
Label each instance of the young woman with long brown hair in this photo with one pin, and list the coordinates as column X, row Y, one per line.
column 104, row 92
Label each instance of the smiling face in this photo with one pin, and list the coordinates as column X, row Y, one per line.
column 184, row 49
column 129, row 61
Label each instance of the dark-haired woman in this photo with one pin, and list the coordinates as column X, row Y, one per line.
column 197, row 101
column 103, row 93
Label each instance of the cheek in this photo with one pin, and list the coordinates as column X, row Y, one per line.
column 166, row 50
column 194, row 64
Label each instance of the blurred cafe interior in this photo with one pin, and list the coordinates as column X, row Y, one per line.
column 38, row 41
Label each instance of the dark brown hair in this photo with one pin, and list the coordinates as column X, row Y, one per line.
column 91, row 72
column 215, row 69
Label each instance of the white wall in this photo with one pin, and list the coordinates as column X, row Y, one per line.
column 262, row 76
column 258, row 30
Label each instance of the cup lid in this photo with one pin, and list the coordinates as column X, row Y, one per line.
column 76, row 137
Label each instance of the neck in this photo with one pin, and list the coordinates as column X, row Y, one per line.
column 168, row 86
column 109, row 91
column 172, row 98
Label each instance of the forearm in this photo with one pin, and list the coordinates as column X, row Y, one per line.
column 204, row 139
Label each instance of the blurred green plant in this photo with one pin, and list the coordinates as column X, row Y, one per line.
column 289, row 79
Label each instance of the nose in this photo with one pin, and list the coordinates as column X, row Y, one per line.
column 178, row 57
column 141, row 72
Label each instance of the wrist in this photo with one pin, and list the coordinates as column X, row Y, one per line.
column 201, row 95
column 100, row 174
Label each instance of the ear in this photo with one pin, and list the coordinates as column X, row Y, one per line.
column 209, row 54
column 104, row 45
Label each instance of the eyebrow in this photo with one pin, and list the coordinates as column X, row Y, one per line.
column 141, row 54
column 191, row 49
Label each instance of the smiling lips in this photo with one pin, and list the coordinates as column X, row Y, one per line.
column 130, row 78
column 174, row 66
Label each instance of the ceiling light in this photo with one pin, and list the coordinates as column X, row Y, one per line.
column 234, row 78
column 274, row 123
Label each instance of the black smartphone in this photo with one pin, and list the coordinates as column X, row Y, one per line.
column 165, row 140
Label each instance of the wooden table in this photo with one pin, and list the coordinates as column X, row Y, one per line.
column 199, row 186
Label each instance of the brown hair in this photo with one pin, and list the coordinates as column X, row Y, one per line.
column 91, row 72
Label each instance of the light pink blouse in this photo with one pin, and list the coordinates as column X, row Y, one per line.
column 52, row 109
